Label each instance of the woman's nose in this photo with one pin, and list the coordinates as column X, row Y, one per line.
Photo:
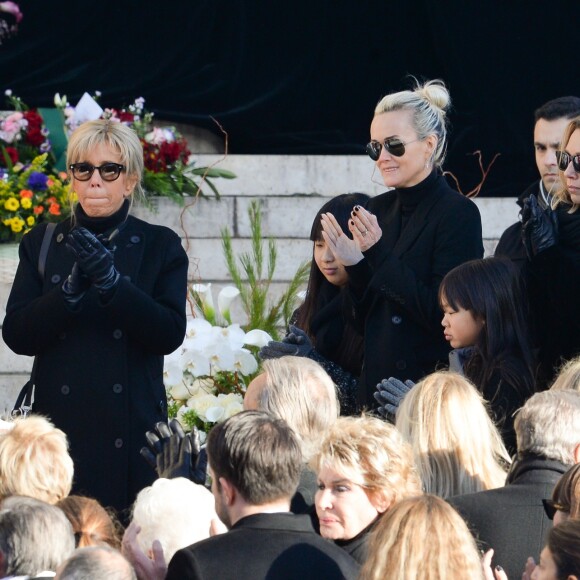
column 323, row 499
column 444, row 320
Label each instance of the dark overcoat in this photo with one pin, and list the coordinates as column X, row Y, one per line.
column 99, row 373
column 395, row 287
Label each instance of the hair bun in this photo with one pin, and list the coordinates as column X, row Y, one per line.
column 436, row 93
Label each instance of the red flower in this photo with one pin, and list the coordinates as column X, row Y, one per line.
column 26, row 193
column 38, row 209
column 34, row 135
column 12, row 153
column 125, row 116
column 54, row 209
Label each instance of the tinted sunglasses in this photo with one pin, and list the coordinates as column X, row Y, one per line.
column 564, row 159
column 108, row 171
column 393, row 145
column 551, row 507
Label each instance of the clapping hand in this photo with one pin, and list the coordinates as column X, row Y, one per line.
column 389, row 394
column 539, row 227
column 172, row 453
column 345, row 250
column 296, row 343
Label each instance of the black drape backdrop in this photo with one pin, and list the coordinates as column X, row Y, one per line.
column 304, row 76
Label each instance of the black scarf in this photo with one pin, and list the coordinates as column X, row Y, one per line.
column 102, row 225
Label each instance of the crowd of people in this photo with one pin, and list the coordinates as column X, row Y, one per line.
column 424, row 405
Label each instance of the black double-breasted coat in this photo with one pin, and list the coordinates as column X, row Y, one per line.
column 395, row 287
column 99, row 373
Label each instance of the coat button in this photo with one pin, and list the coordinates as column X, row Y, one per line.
column 117, row 388
column 396, row 320
column 60, row 238
column 65, row 389
column 401, row 365
column 55, row 279
column 118, row 443
column 135, row 239
column 117, row 334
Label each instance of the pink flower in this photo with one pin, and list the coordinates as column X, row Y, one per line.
column 11, row 126
column 11, row 8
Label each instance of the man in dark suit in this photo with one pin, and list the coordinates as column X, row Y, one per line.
column 255, row 462
column 511, row 519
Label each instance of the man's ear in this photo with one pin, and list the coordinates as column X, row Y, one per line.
column 577, row 453
column 229, row 492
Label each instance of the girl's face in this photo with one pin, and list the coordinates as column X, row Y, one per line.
column 413, row 166
column 571, row 176
column 331, row 269
column 342, row 506
column 459, row 326
column 546, row 569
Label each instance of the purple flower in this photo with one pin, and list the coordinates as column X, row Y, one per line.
column 37, row 180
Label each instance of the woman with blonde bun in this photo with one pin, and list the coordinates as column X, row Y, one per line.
column 406, row 239
column 456, row 446
column 422, row 538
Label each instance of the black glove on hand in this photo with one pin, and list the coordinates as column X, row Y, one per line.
column 94, row 259
column 539, row 227
column 296, row 343
column 172, row 453
column 75, row 286
column 390, row 393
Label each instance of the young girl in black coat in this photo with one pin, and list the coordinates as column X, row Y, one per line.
column 485, row 322
column 321, row 328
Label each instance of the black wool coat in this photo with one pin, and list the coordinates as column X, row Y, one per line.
column 395, row 287
column 99, row 373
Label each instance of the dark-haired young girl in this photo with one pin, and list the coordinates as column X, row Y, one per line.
column 321, row 327
column 485, row 322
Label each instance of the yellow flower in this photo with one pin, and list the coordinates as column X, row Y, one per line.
column 30, row 220
column 17, row 225
column 26, row 203
column 7, row 222
column 11, row 204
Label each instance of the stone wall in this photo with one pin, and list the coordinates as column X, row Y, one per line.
column 291, row 189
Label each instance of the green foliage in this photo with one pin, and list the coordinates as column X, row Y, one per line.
column 254, row 279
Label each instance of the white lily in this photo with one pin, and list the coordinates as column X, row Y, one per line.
column 257, row 337
column 225, row 299
column 204, row 293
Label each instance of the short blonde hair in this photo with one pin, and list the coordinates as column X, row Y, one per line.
column 456, row 446
column 34, row 460
column 300, row 391
column 114, row 135
column 568, row 378
column 563, row 195
column 428, row 104
column 421, row 538
column 177, row 512
column 372, row 454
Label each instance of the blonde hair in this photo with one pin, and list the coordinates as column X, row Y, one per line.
column 421, row 538
column 177, row 512
column 428, row 104
column 34, row 460
column 568, row 378
column 563, row 195
column 300, row 391
column 114, row 135
column 456, row 446
column 372, row 454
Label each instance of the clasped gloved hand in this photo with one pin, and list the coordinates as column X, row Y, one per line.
column 390, row 392
column 296, row 343
column 173, row 453
column 539, row 227
column 94, row 259
column 75, row 285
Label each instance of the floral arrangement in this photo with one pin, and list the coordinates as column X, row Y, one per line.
column 8, row 29
column 206, row 378
column 168, row 169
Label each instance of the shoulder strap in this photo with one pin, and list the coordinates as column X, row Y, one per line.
column 44, row 248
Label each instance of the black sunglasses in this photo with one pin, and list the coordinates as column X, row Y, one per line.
column 564, row 159
column 108, row 171
column 393, row 145
column 551, row 507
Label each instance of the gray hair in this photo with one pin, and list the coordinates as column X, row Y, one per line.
column 34, row 536
column 300, row 391
column 95, row 563
column 549, row 425
column 428, row 104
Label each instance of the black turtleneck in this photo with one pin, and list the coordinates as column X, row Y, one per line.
column 101, row 225
column 410, row 197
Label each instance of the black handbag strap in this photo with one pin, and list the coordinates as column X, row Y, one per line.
column 45, row 247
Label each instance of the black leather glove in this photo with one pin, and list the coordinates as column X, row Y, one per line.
column 94, row 259
column 76, row 285
column 296, row 343
column 539, row 227
column 172, row 453
column 390, row 392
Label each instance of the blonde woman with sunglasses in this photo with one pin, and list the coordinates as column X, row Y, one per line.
column 406, row 240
